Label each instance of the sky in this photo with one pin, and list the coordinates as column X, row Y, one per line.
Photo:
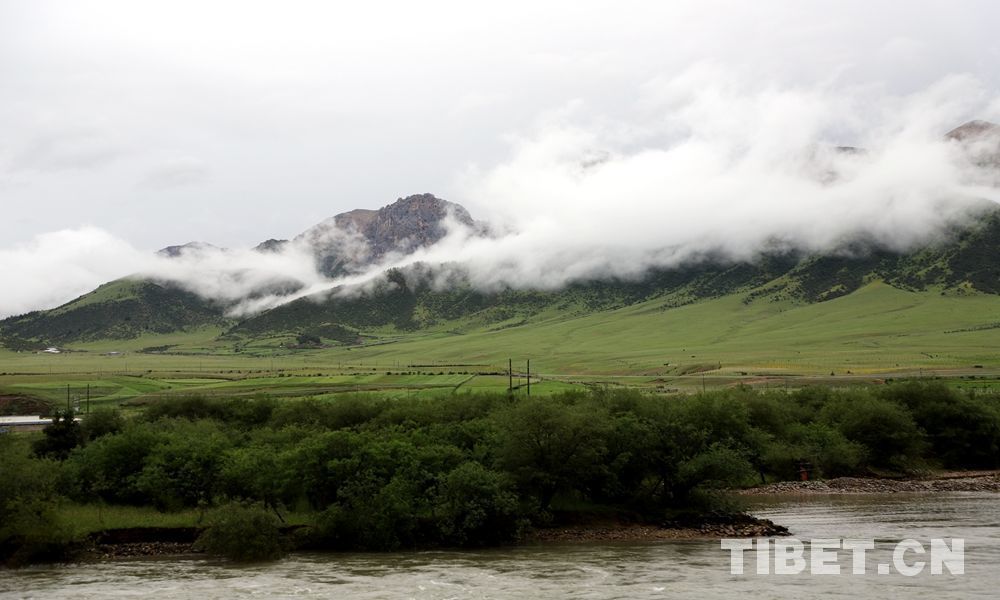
column 607, row 136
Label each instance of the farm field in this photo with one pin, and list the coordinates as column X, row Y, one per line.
column 875, row 333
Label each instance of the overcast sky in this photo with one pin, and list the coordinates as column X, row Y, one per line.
column 232, row 122
column 608, row 137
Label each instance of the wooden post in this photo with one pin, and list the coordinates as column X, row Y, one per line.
column 510, row 376
column 529, row 376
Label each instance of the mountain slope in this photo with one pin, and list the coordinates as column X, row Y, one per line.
column 878, row 328
column 121, row 309
column 406, row 301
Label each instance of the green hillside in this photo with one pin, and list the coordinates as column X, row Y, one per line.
column 121, row 309
column 410, row 301
column 878, row 328
column 860, row 311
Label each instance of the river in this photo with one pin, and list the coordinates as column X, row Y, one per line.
column 627, row 570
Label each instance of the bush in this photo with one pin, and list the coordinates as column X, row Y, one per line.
column 818, row 444
column 109, row 467
column 60, row 436
column 244, row 533
column 29, row 529
column 183, row 469
column 963, row 431
column 101, row 422
column 550, row 445
column 887, row 430
column 477, row 507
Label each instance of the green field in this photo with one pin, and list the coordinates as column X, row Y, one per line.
column 877, row 332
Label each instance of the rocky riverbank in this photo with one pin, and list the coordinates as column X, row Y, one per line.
column 985, row 481
column 107, row 551
column 141, row 541
column 138, row 542
column 723, row 526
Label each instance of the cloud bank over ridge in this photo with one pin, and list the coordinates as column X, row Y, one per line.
column 707, row 163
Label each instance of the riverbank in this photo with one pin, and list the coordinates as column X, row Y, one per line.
column 170, row 541
column 715, row 527
column 965, row 481
column 167, row 541
column 141, row 541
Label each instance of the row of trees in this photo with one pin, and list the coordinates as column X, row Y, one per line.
column 477, row 469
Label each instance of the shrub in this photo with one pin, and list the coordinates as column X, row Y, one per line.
column 888, row 432
column 476, row 507
column 183, row 469
column 818, row 444
column 101, row 422
column 244, row 533
column 60, row 436
column 29, row 529
column 109, row 467
column 963, row 431
column 551, row 444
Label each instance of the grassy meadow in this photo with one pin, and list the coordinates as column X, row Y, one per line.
column 875, row 333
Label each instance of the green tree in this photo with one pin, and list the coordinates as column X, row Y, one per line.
column 102, row 421
column 60, row 436
column 891, row 437
column 30, row 530
column 550, row 445
column 244, row 533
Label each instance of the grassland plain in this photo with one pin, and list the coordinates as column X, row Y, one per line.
column 877, row 332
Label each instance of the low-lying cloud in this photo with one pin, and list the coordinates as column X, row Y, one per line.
column 706, row 164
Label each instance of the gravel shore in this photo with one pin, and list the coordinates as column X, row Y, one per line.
column 988, row 481
column 728, row 526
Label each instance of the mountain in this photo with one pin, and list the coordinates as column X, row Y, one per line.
column 351, row 241
column 271, row 245
column 980, row 140
column 440, row 298
column 413, row 299
column 128, row 308
column 188, row 248
column 974, row 130
column 121, row 309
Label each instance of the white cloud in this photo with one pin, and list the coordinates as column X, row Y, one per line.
column 713, row 164
column 606, row 136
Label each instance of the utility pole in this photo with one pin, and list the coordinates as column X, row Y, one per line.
column 88, row 398
column 529, row 376
column 67, row 397
column 510, row 376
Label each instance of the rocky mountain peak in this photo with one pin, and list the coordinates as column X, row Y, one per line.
column 973, row 130
column 180, row 250
column 355, row 239
column 271, row 245
column 980, row 140
column 410, row 223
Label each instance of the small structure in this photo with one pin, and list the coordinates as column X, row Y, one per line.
column 23, row 423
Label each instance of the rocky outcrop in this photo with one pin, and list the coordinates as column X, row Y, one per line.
column 188, row 248
column 353, row 240
column 271, row 245
column 980, row 140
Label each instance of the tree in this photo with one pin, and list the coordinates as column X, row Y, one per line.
column 60, row 436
